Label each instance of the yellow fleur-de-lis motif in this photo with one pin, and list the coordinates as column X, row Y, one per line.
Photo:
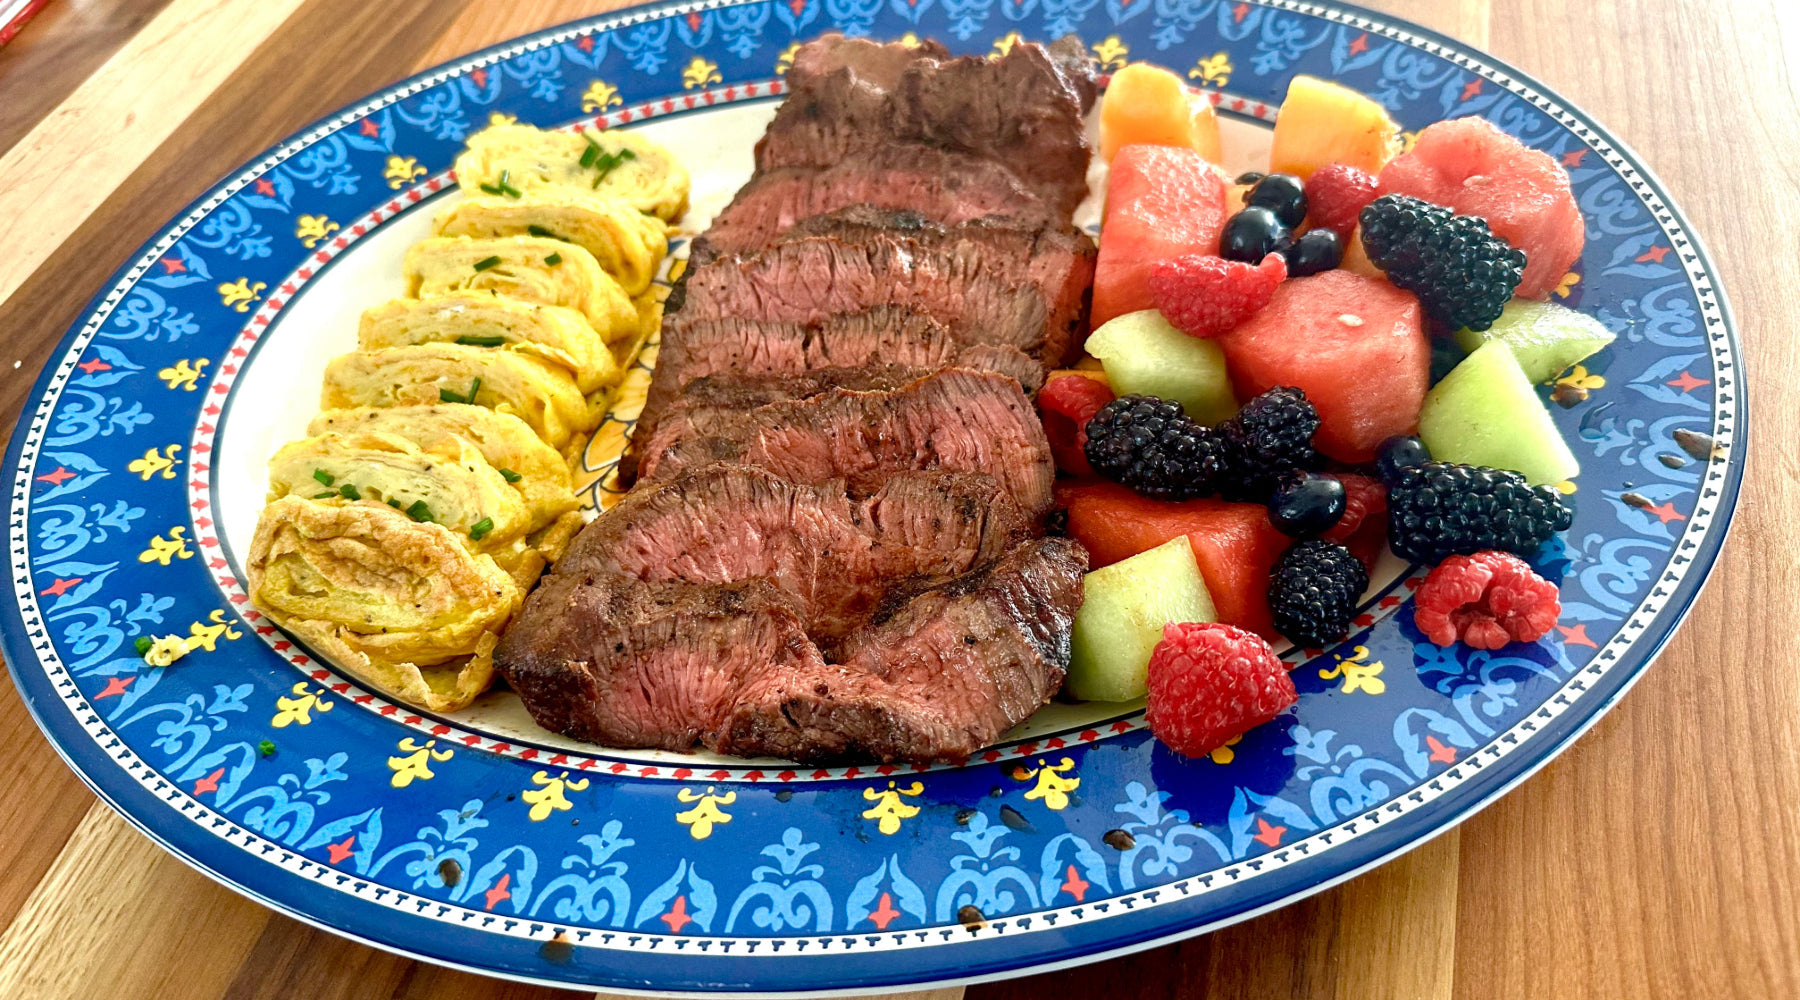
column 889, row 810
column 414, row 762
column 1110, row 53
column 240, row 293
column 1566, row 488
column 310, row 229
column 1357, row 675
column 1052, row 787
column 1004, row 44
column 204, row 636
column 785, row 61
column 1567, row 285
column 910, row 40
column 183, row 374
column 550, row 798
column 1214, row 70
column 699, row 73
column 154, row 462
column 502, row 118
column 1578, row 377
column 298, row 709
column 161, row 550
column 706, row 812
column 599, row 96
column 1223, row 754
column 402, row 170
column 165, row 650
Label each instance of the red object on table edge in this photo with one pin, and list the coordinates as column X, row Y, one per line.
column 14, row 15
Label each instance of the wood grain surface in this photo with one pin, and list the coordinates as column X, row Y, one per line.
column 1561, row 889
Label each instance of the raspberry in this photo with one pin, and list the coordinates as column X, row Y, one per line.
column 1486, row 600
column 1335, row 195
column 1209, row 683
column 1205, row 296
column 1363, row 528
column 1067, row 404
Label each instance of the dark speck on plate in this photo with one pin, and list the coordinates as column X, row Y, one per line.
column 784, row 795
column 963, row 816
column 1016, row 820
column 1119, row 840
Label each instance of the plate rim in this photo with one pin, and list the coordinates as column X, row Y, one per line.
column 1666, row 622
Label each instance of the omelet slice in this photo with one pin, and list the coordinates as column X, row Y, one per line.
column 536, row 391
column 502, row 159
column 532, row 468
column 529, row 268
column 450, row 483
column 484, row 319
column 402, row 604
column 628, row 244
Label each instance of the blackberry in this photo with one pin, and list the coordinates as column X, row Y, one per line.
column 1438, row 509
column 1153, row 447
column 1270, row 436
column 1313, row 592
column 1462, row 273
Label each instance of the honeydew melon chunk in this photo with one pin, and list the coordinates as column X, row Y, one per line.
column 1545, row 338
column 1123, row 610
column 1487, row 412
column 1143, row 353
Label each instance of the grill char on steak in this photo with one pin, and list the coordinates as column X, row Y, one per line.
column 841, row 422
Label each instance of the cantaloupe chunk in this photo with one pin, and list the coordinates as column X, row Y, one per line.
column 1356, row 260
column 1150, row 105
column 1322, row 122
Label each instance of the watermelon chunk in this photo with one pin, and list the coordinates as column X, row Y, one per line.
column 1234, row 543
column 1356, row 345
column 1471, row 167
column 1161, row 202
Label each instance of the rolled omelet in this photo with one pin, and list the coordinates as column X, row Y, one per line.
column 502, row 159
column 403, row 605
column 529, row 268
column 483, row 319
column 532, row 468
column 537, row 392
column 628, row 244
column 450, row 483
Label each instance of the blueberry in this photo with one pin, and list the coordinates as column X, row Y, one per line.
column 1252, row 234
column 1306, row 504
column 1316, row 250
column 1248, row 177
column 1402, row 451
column 1282, row 194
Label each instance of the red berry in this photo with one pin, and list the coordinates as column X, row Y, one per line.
column 1363, row 528
column 1205, row 296
column 1336, row 195
column 1211, row 682
column 1485, row 600
column 1067, row 404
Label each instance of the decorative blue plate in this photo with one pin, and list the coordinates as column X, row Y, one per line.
column 477, row 841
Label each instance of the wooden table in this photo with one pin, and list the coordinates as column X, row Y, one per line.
column 134, row 107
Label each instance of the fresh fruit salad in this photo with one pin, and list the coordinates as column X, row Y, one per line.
column 1260, row 419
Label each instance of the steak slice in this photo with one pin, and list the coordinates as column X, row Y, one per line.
column 851, row 422
column 947, row 671
column 879, row 64
column 941, row 184
column 808, row 280
column 834, row 547
column 1019, row 110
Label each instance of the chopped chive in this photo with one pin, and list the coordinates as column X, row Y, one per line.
column 591, row 153
column 510, row 476
column 490, row 189
column 419, row 511
column 510, row 191
column 143, row 644
column 470, row 340
column 548, row 234
column 328, row 494
column 486, row 262
column 553, row 260
column 266, row 748
column 450, row 396
column 324, row 478
column 349, row 492
column 481, row 528
column 393, row 503
column 474, row 387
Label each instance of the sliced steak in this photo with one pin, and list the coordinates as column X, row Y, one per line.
column 947, row 672
column 1020, row 110
column 833, row 547
column 851, row 422
column 941, row 184
column 879, row 64
column 808, row 280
